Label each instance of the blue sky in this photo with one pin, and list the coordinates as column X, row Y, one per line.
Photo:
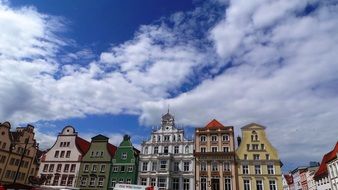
column 113, row 67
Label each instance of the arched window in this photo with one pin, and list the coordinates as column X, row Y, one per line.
column 187, row 149
column 146, row 150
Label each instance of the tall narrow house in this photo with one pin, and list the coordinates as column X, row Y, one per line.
column 96, row 163
column 124, row 164
column 215, row 157
column 166, row 159
column 60, row 165
column 259, row 166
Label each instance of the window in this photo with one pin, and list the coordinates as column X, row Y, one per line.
column 176, row 183
column 245, row 169
column 45, row 168
column 256, row 156
column 162, row 182
column 103, row 168
column 63, row 180
column 145, row 166
column 186, row 184
column 92, row 154
column 227, row 183
column 176, row 166
column 128, row 181
column 245, row 156
column 163, row 164
column 143, row 181
column 203, row 183
column 4, row 145
column 70, row 181
column 267, row 156
column 203, row 138
column 62, row 154
column 271, row 169
column 84, row 181
column 56, row 154
column 176, row 148
column 61, row 144
column 51, row 168
column 123, row 169
column 186, row 166
column 68, row 154
column 272, row 185
column 259, row 185
column 94, row 168
column 58, row 168
column 225, row 149
column 113, row 182
column 227, row 166
column 72, row 168
column 214, row 166
column 115, row 169
column 153, row 182
column 203, row 149
column 92, row 181
column 146, row 150
column 187, row 149
column 225, row 137
column 257, row 169
column 86, row 168
column 203, row 166
column 124, row 156
column 254, row 146
column 156, row 150
column 213, row 138
column 248, row 146
column 214, row 149
column 159, row 138
column 56, row 180
column 246, row 184
column 154, row 166
column 100, row 182
column 166, row 150
column 262, row 147
column 166, row 138
column 66, row 169
column 174, row 138
column 130, row 168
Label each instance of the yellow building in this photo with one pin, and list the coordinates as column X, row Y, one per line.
column 18, row 151
column 258, row 163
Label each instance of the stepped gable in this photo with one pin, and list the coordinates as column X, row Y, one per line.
column 322, row 170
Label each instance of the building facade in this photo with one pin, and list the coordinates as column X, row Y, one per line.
column 259, row 166
column 18, row 150
column 124, row 164
column 96, row 164
column 215, row 157
column 61, row 163
column 166, row 159
column 311, row 183
column 287, row 181
column 332, row 165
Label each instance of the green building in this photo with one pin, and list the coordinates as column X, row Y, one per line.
column 96, row 164
column 125, row 164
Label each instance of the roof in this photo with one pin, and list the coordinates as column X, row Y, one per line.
column 100, row 138
column 82, row 144
column 322, row 170
column 111, row 149
column 214, row 124
column 252, row 124
column 289, row 179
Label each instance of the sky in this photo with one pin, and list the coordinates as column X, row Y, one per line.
column 114, row 67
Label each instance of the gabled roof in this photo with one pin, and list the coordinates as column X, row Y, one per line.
column 100, row 138
column 111, row 149
column 214, row 124
column 322, row 170
column 82, row 145
column 253, row 124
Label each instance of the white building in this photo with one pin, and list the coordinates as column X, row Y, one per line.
column 332, row 166
column 311, row 183
column 61, row 163
column 167, row 159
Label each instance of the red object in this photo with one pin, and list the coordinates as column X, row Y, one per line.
column 2, row 187
column 214, row 124
column 82, row 145
column 150, row 188
column 112, row 149
column 322, row 171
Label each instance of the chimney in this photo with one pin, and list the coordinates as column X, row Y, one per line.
column 239, row 140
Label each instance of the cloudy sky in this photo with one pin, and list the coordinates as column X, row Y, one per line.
column 113, row 67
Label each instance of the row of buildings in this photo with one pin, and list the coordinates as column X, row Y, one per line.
column 167, row 160
column 323, row 176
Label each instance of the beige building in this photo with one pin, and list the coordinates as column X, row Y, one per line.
column 259, row 166
column 18, row 150
column 215, row 157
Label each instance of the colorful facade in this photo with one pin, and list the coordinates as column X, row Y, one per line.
column 259, row 166
column 61, row 163
column 96, row 163
column 124, row 164
column 18, row 150
column 215, row 165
